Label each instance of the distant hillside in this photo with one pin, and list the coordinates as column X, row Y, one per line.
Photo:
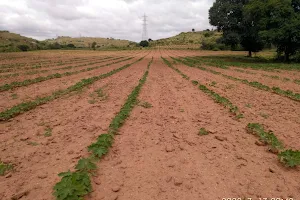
column 15, row 42
column 189, row 39
column 86, row 42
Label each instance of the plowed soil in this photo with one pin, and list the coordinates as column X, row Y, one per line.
column 158, row 153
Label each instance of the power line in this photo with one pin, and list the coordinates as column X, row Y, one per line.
column 145, row 30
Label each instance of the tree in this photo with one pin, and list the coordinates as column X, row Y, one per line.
column 71, row 45
column 94, row 45
column 144, row 43
column 150, row 40
column 193, row 30
column 228, row 16
column 23, row 47
column 279, row 23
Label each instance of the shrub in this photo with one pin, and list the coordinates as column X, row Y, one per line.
column 23, row 47
column 144, row 43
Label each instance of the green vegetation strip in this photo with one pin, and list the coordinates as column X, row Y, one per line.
column 289, row 158
column 26, row 106
column 75, row 185
column 27, row 82
column 255, row 84
column 246, row 62
column 216, row 97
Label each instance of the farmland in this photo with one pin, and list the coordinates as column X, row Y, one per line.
column 148, row 124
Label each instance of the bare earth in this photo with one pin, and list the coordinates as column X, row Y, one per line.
column 158, row 153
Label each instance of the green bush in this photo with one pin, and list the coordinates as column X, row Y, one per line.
column 144, row 43
column 23, row 47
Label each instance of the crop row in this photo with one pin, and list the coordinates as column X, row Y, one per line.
column 29, row 105
column 27, row 82
column 289, row 157
column 75, row 185
column 285, row 93
column 51, row 62
column 62, row 68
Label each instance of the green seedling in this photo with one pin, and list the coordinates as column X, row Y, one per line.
column 73, row 186
column 33, row 143
column 145, row 105
column 203, row 131
column 48, row 132
column 5, row 167
column 213, row 84
column 290, row 158
column 14, row 96
column 195, row 83
column 266, row 116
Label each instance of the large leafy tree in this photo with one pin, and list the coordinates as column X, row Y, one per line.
column 228, row 16
column 278, row 22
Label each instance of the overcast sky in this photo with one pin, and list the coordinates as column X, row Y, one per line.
column 42, row 19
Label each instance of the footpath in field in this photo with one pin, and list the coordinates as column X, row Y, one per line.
column 161, row 154
column 53, row 137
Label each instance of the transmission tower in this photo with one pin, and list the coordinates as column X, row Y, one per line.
column 145, row 31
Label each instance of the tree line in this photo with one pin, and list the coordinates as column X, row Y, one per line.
column 255, row 24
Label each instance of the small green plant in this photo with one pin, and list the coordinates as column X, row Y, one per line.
column 145, row 105
column 213, row 84
column 5, row 167
column 100, row 148
column 290, row 158
column 86, row 165
column 33, row 143
column 181, row 110
column 14, row 96
column 48, row 132
column 195, row 82
column 73, row 185
column 286, row 79
column 203, row 131
column 266, row 116
column 100, row 92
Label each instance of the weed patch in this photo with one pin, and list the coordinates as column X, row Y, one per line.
column 203, row 131
column 5, row 167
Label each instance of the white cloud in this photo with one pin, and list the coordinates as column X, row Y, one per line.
column 122, row 19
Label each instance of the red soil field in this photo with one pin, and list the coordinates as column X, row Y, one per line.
column 157, row 153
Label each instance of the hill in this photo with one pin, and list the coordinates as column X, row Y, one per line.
column 192, row 40
column 15, row 42
column 86, row 42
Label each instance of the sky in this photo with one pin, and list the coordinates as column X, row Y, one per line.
column 120, row 19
